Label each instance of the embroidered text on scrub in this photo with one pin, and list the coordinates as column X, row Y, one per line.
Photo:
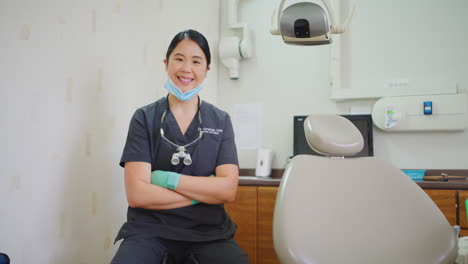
column 211, row 130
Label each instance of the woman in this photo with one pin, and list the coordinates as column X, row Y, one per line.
column 176, row 212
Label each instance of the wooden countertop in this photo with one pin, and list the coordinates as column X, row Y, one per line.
column 448, row 185
column 275, row 179
column 258, row 181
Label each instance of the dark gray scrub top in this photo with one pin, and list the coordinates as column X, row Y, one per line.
column 198, row 222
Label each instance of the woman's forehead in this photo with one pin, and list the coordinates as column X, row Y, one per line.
column 188, row 47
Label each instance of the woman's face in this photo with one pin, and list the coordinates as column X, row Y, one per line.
column 187, row 65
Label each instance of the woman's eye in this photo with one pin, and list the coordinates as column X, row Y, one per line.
column 196, row 62
column 178, row 59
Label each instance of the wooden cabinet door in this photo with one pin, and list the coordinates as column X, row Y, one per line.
column 445, row 200
column 266, row 205
column 243, row 211
column 462, row 217
column 463, row 232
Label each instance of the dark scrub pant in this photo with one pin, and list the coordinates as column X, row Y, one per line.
column 143, row 250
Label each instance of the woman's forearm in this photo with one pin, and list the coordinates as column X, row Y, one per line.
column 142, row 194
column 213, row 190
column 153, row 197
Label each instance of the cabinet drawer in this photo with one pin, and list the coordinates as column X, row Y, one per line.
column 266, row 206
column 244, row 213
column 445, row 200
column 463, row 232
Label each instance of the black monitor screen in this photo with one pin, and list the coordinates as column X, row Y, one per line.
column 362, row 122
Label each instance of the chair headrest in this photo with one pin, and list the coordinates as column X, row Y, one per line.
column 332, row 135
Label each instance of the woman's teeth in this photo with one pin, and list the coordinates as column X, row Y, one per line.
column 185, row 80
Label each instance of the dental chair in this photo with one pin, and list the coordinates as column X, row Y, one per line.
column 354, row 210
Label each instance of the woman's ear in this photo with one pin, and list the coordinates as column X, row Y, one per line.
column 208, row 68
column 165, row 63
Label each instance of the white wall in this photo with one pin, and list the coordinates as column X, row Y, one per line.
column 421, row 42
column 294, row 80
column 71, row 75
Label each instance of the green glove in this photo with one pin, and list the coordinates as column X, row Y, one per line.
column 166, row 179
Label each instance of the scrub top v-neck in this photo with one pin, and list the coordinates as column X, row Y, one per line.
column 198, row 222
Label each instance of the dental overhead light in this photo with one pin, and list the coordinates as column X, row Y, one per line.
column 306, row 23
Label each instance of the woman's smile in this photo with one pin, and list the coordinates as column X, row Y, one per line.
column 184, row 80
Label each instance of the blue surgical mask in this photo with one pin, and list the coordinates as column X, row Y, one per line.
column 173, row 89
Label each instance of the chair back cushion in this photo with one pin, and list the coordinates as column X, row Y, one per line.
column 360, row 210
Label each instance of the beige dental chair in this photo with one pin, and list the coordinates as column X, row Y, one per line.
column 354, row 210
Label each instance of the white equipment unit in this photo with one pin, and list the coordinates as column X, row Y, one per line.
column 232, row 49
column 447, row 112
column 264, row 161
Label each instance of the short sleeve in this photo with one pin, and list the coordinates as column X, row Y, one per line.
column 227, row 152
column 137, row 146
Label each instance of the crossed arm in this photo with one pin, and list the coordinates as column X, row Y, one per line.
column 212, row 190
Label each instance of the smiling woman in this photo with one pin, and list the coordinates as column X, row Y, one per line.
column 187, row 65
column 176, row 212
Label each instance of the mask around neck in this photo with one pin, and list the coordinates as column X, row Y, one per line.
column 173, row 89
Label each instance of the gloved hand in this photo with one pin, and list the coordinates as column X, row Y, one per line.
column 166, row 179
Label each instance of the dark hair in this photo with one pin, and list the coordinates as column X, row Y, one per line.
column 192, row 35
